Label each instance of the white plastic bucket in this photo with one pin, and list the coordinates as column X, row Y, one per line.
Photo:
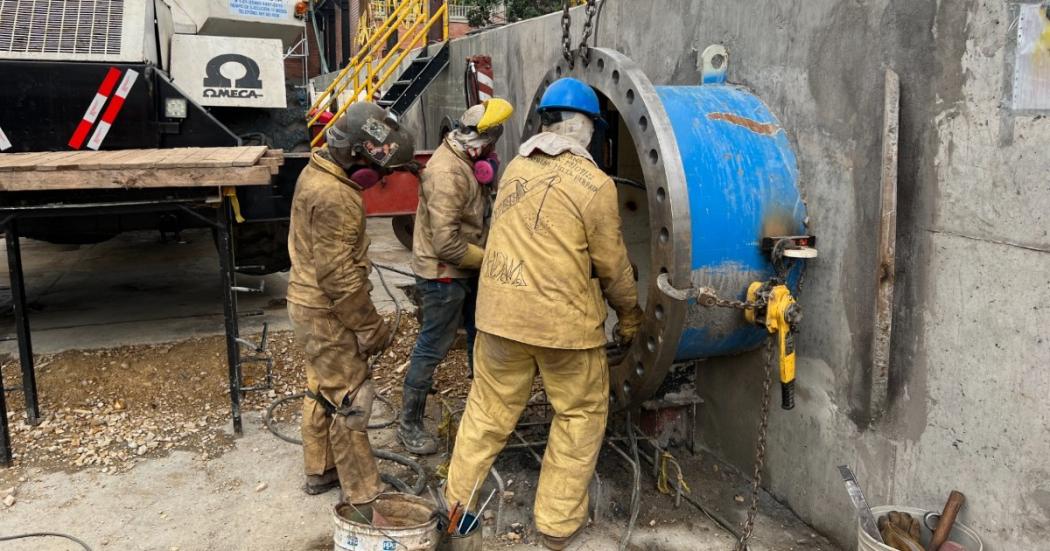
column 414, row 527
column 961, row 534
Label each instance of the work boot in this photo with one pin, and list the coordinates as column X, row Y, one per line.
column 320, row 483
column 558, row 543
column 410, row 431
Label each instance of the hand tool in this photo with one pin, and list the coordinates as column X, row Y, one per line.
column 856, row 495
column 453, row 517
column 944, row 526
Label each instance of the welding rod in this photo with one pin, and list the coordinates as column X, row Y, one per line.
column 478, row 515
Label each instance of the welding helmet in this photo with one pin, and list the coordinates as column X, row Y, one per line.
column 570, row 94
column 482, row 125
column 369, row 133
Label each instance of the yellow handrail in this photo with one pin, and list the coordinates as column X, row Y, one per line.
column 415, row 33
column 389, row 25
column 357, row 63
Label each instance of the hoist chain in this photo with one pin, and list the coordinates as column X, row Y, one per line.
column 760, row 449
column 706, row 297
column 566, row 32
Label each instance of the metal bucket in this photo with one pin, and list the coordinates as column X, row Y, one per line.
column 411, row 525
column 961, row 534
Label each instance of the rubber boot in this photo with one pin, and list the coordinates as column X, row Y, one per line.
column 410, row 431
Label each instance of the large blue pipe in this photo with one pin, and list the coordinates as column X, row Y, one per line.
column 742, row 181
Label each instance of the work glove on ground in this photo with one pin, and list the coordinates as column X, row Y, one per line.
column 900, row 531
column 628, row 324
column 358, row 314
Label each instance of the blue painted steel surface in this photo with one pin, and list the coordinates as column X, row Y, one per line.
column 742, row 178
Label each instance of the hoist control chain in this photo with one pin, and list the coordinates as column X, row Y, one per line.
column 566, row 32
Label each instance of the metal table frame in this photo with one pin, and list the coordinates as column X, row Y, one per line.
column 222, row 223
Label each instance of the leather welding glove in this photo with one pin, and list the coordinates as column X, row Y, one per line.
column 900, row 531
column 472, row 258
column 628, row 324
column 358, row 314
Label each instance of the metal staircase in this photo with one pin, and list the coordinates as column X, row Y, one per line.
column 414, row 80
column 375, row 64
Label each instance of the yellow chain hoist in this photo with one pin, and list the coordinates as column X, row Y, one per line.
column 776, row 310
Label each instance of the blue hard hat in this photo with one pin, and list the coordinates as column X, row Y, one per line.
column 570, row 94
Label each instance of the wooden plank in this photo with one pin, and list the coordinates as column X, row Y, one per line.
column 886, row 266
column 21, row 161
column 91, row 161
column 135, row 178
column 53, row 161
column 118, row 159
column 218, row 158
column 249, row 155
column 183, row 157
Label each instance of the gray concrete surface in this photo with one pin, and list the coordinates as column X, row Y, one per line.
column 135, row 289
column 250, row 498
column 968, row 378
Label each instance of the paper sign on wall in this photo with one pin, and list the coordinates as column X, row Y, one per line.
column 1032, row 70
column 270, row 9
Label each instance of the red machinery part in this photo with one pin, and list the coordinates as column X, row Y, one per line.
column 396, row 194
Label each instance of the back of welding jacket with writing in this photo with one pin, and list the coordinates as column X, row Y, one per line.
column 554, row 250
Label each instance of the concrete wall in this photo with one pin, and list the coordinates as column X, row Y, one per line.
column 971, row 348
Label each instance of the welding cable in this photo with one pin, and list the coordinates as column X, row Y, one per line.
column 395, row 270
column 627, row 182
column 46, row 535
column 421, row 476
column 636, row 498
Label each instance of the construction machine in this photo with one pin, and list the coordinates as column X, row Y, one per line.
column 154, row 74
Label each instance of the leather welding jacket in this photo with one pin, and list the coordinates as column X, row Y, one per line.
column 330, row 267
column 555, row 253
column 450, row 217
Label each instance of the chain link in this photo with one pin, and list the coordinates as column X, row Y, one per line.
column 760, row 450
column 585, row 50
column 566, row 32
column 707, row 297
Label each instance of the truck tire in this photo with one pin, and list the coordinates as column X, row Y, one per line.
column 403, row 226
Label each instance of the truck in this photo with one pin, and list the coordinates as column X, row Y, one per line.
column 143, row 74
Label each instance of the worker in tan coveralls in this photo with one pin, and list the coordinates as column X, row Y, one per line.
column 555, row 254
column 332, row 313
column 447, row 247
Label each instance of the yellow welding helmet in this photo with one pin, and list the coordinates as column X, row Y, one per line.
column 497, row 111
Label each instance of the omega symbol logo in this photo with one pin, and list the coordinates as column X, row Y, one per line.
column 216, row 85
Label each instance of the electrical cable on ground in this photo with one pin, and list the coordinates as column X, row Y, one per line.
column 395, row 270
column 47, row 535
column 421, row 476
column 636, row 498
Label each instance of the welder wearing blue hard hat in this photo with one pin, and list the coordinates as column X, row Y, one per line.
column 554, row 256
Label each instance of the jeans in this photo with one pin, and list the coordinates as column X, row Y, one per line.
column 445, row 307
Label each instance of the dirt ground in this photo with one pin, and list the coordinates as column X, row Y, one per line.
column 135, row 451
